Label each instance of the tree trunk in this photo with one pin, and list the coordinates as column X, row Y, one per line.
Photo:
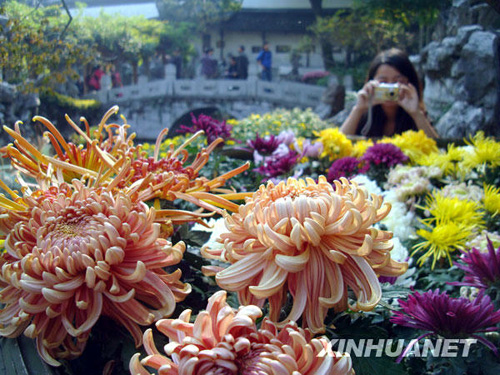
column 327, row 53
column 326, row 46
column 135, row 73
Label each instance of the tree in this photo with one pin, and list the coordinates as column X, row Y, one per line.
column 423, row 13
column 326, row 45
column 201, row 14
column 359, row 33
column 33, row 51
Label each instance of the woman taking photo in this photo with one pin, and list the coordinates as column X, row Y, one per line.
column 391, row 101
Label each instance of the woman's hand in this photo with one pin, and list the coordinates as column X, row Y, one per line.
column 408, row 98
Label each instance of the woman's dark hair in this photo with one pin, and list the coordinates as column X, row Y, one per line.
column 398, row 60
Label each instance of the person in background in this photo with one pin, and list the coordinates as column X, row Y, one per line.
column 116, row 79
column 242, row 63
column 232, row 70
column 265, row 61
column 209, row 65
column 176, row 59
column 94, row 79
column 375, row 117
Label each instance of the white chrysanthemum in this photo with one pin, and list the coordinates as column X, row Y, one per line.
column 480, row 242
column 216, row 227
column 401, row 254
column 367, row 183
column 400, row 220
column 463, row 191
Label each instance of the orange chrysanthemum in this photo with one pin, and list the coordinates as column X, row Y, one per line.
column 110, row 153
column 310, row 239
column 225, row 341
column 74, row 253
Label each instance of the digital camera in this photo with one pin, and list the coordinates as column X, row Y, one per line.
column 387, row 91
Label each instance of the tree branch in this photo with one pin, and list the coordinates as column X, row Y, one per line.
column 69, row 21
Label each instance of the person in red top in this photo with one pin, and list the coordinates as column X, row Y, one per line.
column 94, row 82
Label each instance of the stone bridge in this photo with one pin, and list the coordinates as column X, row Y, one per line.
column 151, row 106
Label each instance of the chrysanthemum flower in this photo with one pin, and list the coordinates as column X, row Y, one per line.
column 481, row 269
column 264, row 145
column 463, row 191
column 225, row 341
column 212, row 128
column 103, row 159
column 384, row 154
column 278, row 164
column 99, row 152
column 461, row 211
column 312, row 240
column 335, row 144
column 439, row 314
column 491, row 199
column 480, row 241
column 413, row 144
column 74, row 253
column 344, row 167
column 360, row 147
column 486, row 151
column 441, row 240
column 450, row 162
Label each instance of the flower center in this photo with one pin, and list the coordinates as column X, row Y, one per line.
column 250, row 363
column 73, row 232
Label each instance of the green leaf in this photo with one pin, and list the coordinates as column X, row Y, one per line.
column 378, row 366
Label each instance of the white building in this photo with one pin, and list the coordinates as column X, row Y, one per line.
column 283, row 23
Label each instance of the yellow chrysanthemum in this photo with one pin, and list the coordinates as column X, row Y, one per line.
column 450, row 162
column 485, row 151
column 175, row 141
column 361, row 146
column 413, row 144
column 232, row 121
column 452, row 209
column 335, row 144
column 491, row 199
column 440, row 241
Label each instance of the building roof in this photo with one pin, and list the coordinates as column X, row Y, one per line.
column 290, row 20
column 146, row 8
column 293, row 4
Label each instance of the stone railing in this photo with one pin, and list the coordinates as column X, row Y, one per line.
column 279, row 92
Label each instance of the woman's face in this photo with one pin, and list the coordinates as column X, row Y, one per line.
column 387, row 74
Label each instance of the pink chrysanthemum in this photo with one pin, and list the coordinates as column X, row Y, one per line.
column 225, row 341
column 74, row 253
column 312, row 240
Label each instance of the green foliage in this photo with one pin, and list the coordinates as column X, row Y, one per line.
column 360, row 31
column 33, row 51
column 121, row 37
column 55, row 106
column 422, row 12
column 199, row 13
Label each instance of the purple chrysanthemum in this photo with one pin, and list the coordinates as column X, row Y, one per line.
column 481, row 269
column 384, row 154
column 277, row 165
column 438, row 313
column 265, row 145
column 213, row 128
column 343, row 167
